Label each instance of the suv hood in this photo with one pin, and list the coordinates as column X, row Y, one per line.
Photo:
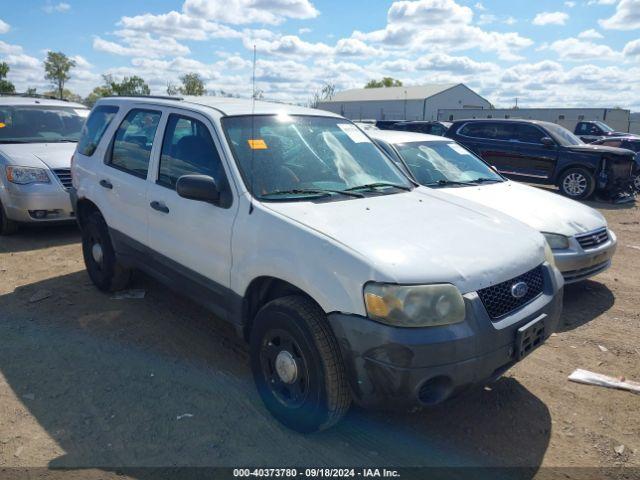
column 53, row 155
column 542, row 210
column 425, row 236
column 599, row 149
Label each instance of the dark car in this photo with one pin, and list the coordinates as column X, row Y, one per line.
column 386, row 124
column 630, row 143
column 546, row 153
column 593, row 130
column 418, row 126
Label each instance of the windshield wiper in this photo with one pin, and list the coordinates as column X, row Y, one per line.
column 312, row 191
column 373, row 186
column 444, row 183
column 486, row 180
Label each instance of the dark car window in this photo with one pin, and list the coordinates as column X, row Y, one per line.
column 487, row 130
column 133, row 142
column 527, row 133
column 94, row 128
column 438, row 129
column 188, row 149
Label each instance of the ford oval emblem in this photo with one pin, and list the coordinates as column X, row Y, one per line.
column 519, row 290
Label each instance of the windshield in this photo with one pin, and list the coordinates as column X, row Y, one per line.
column 302, row 156
column 604, row 127
column 438, row 163
column 561, row 135
column 40, row 124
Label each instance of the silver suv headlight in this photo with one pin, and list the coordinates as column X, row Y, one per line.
column 414, row 305
column 556, row 241
column 25, row 175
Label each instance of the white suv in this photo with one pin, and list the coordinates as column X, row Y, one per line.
column 349, row 281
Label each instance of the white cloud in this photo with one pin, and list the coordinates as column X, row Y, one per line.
column 627, row 16
column 61, row 7
column 288, row 45
column 590, row 34
column 250, row 11
column 579, row 50
column 632, row 49
column 137, row 44
column 178, row 25
column 480, row 7
column 354, row 47
column 4, row 26
column 428, row 12
column 570, row 4
column 550, row 18
column 6, row 48
column 602, row 2
column 302, row 31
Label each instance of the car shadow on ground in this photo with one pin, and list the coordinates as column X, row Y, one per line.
column 584, row 301
column 158, row 382
column 37, row 237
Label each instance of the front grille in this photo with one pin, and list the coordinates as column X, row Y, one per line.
column 498, row 299
column 64, row 175
column 593, row 239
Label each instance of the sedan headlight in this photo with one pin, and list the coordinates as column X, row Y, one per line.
column 25, row 175
column 414, row 305
column 556, row 241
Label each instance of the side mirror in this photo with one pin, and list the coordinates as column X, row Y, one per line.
column 548, row 142
column 198, row 187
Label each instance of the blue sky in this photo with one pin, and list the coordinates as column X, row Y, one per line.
column 544, row 52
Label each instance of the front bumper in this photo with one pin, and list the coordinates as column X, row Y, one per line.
column 390, row 367
column 20, row 203
column 577, row 264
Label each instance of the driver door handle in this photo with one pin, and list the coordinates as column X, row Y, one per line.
column 106, row 184
column 159, row 206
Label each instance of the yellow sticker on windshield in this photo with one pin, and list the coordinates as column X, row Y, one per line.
column 2, row 125
column 257, row 144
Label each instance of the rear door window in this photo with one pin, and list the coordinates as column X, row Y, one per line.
column 94, row 128
column 133, row 141
column 527, row 134
column 487, row 130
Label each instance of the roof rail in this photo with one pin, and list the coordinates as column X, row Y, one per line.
column 31, row 95
column 159, row 97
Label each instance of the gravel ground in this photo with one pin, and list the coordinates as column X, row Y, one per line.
column 87, row 380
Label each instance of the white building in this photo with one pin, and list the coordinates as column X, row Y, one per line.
column 616, row 118
column 403, row 103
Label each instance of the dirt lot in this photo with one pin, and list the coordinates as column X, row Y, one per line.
column 91, row 381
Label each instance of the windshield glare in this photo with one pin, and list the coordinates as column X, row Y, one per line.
column 433, row 162
column 40, row 124
column 563, row 136
column 282, row 153
column 604, row 127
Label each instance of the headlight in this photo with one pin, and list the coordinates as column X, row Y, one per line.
column 548, row 255
column 414, row 305
column 24, row 175
column 556, row 241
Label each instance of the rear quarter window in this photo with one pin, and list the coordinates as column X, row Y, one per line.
column 93, row 130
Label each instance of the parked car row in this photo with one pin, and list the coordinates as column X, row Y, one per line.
column 391, row 273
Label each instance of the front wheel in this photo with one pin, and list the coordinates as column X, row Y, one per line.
column 297, row 366
column 577, row 183
column 636, row 181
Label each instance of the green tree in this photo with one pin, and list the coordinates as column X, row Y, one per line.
column 384, row 83
column 66, row 94
column 57, row 67
column 192, row 84
column 5, row 85
column 128, row 86
column 31, row 92
column 97, row 93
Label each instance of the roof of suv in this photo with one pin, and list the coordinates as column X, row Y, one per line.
column 506, row 120
column 17, row 100
column 224, row 105
column 400, row 136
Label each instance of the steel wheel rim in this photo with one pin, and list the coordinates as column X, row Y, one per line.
column 575, row 184
column 280, row 347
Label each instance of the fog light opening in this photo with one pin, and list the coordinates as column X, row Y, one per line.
column 435, row 390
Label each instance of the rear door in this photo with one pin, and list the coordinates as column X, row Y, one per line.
column 192, row 237
column 488, row 140
column 529, row 157
column 122, row 180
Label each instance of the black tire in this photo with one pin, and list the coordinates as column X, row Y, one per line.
column 636, row 181
column 104, row 270
column 7, row 226
column 577, row 183
column 319, row 397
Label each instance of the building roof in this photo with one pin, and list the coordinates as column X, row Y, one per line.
column 391, row 93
